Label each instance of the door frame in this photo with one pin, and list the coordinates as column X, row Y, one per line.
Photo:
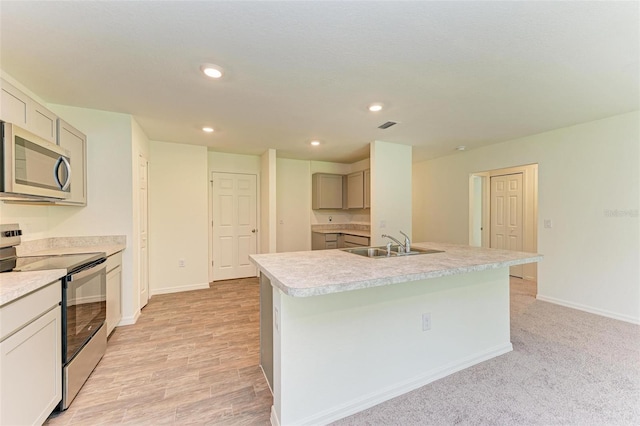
column 529, row 210
column 210, row 223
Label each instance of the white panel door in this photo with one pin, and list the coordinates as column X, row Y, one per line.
column 234, row 225
column 506, row 215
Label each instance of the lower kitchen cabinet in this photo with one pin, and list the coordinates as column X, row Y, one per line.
column 114, row 291
column 321, row 241
column 31, row 357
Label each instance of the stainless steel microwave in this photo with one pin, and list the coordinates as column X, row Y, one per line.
column 32, row 166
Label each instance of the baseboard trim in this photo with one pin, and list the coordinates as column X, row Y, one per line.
column 589, row 309
column 130, row 320
column 179, row 289
column 400, row 388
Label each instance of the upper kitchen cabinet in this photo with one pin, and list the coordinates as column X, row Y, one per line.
column 355, row 190
column 358, row 184
column 326, row 191
column 75, row 142
column 21, row 110
column 367, row 189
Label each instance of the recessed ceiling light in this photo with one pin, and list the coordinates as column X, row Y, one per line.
column 207, row 129
column 461, row 148
column 315, row 143
column 211, row 70
column 375, row 107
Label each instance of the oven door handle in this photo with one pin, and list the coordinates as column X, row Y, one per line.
column 87, row 272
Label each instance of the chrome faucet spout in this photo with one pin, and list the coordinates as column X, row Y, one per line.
column 395, row 240
column 407, row 242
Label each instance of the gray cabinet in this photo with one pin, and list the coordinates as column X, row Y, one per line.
column 358, row 190
column 322, row 241
column 367, row 189
column 355, row 190
column 75, row 142
column 326, row 191
column 23, row 111
column 114, row 291
column 31, row 357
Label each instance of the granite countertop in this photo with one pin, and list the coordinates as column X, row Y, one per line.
column 14, row 285
column 313, row 273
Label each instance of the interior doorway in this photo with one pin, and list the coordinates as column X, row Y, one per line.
column 234, row 225
column 503, row 212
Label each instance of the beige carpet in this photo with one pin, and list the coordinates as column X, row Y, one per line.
column 567, row 368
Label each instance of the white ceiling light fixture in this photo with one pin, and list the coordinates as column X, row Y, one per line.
column 207, row 129
column 461, row 148
column 211, row 70
column 315, row 143
column 375, row 107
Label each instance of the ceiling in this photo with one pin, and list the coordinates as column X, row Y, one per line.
column 450, row 73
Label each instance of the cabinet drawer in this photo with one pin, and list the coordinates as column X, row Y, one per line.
column 331, row 244
column 330, row 237
column 25, row 309
column 114, row 261
column 356, row 239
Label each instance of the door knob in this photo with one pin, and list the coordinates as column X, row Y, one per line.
column 254, row 230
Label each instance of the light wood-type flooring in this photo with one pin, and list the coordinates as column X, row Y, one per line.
column 191, row 358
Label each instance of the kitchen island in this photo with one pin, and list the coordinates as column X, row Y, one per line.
column 341, row 332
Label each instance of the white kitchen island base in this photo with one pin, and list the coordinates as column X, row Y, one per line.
column 338, row 354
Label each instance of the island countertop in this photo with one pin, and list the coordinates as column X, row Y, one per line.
column 318, row 272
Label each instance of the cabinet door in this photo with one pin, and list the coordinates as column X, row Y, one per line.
column 114, row 304
column 14, row 105
column 367, row 189
column 355, row 190
column 31, row 371
column 327, row 191
column 75, row 142
column 21, row 110
column 42, row 122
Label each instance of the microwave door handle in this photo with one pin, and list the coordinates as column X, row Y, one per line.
column 63, row 160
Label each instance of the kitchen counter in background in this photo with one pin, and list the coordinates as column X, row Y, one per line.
column 361, row 230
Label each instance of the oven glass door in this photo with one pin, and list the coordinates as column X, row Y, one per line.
column 85, row 307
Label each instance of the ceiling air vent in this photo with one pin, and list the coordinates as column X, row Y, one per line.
column 387, row 125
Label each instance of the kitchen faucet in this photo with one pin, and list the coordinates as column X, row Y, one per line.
column 402, row 248
column 407, row 243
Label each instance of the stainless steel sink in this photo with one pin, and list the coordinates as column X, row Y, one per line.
column 414, row 251
column 374, row 252
column 380, row 252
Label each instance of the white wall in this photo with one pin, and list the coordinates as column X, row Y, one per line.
column 293, row 202
column 267, row 230
column 588, row 185
column 178, row 223
column 390, row 191
column 233, row 163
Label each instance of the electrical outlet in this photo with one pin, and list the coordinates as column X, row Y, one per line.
column 383, row 224
column 548, row 223
column 276, row 319
column 181, row 263
column 426, row 321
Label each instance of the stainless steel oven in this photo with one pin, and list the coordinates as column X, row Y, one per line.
column 84, row 332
